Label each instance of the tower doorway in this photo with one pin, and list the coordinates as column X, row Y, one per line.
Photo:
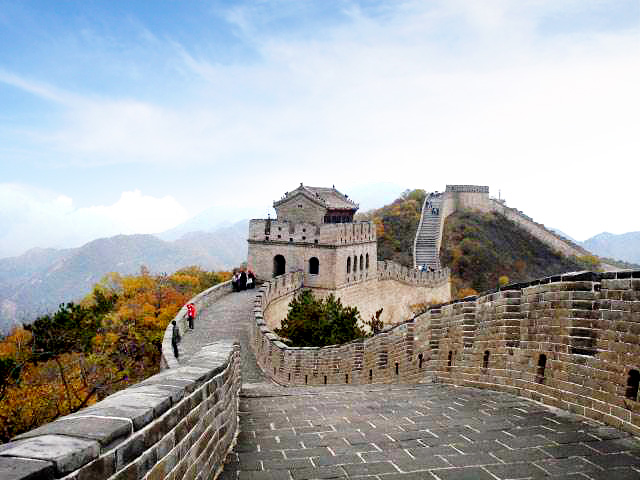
column 279, row 265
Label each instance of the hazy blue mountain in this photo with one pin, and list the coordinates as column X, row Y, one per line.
column 625, row 246
column 565, row 235
column 210, row 220
column 39, row 280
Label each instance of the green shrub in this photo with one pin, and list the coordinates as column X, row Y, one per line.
column 315, row 322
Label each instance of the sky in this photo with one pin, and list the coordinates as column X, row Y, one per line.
column 133, row 116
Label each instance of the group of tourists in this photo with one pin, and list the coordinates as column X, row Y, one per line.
column 242, row 280
column 429, row 205
column 425, row 268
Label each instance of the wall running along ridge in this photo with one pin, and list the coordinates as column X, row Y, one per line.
column 476, row 198
column 586, row 325
column 180, row 423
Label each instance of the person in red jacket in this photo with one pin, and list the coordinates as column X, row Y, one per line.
column 191, row 314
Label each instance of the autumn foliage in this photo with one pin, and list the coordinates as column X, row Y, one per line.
column 83, row 352
column 396, row 225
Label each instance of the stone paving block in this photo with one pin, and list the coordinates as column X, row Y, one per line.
column 616, row 445
column 614, row 460
column 337, row 460
column 567, row 465
column 353, row 449
column 521, row 455
column 319, row 472
column 306, row 452
column 570, row 450
column 471, row 459
column 287, row 464
column 407, row 476
column 513, row 471
column 570, row 437
column 466, row 473
column 373, row 468
column 421, row 464
column 624, row 473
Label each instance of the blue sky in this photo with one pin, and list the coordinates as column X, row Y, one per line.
column 132, row 116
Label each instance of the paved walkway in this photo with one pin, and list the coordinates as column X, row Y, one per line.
column 401, row 432
column 227, row 318
column 410, row 432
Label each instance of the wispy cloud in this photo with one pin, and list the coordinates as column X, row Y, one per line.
column 449, row 91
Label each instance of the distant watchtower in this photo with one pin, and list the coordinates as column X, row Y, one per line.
column 314, row 232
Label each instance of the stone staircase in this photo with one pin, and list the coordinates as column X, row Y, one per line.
column 425, row 248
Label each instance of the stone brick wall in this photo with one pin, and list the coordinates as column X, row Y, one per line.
column 299, row 208
column 331, row 244
column 201, row 301
column 178, row 424
column 571, row 341
column 385, row 358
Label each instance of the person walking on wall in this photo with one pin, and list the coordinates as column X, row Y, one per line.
column 175, row 339
column 243, row 280
column 191, row 314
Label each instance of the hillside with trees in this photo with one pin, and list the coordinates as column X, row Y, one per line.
column 396, row 226
column 485, row 250
column 83, row 352
column 482, row 250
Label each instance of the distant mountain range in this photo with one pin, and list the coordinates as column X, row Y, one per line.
column 39, row 280
column 625, row 246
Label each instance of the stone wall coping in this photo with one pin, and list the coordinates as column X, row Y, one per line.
column 110, row 428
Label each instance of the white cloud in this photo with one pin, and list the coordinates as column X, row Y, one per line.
column 34, row 218
column 426, row 93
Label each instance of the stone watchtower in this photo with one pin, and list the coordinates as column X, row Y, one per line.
column 314, row 233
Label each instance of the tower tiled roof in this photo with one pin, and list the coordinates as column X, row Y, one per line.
column 328, row 197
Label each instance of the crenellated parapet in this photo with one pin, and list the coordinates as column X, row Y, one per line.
column 330, row 234
column 388, row 270
column 571, row 341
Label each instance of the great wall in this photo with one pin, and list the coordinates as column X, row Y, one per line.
column 404, row 403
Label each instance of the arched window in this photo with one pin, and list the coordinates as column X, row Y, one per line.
column 279, row 265
column 348, row 264
column 361, row 263
column 314, row 266
column 633, row 382
column 355, row 263
column 367, row 258
column 485, row 360
column 450, row 359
